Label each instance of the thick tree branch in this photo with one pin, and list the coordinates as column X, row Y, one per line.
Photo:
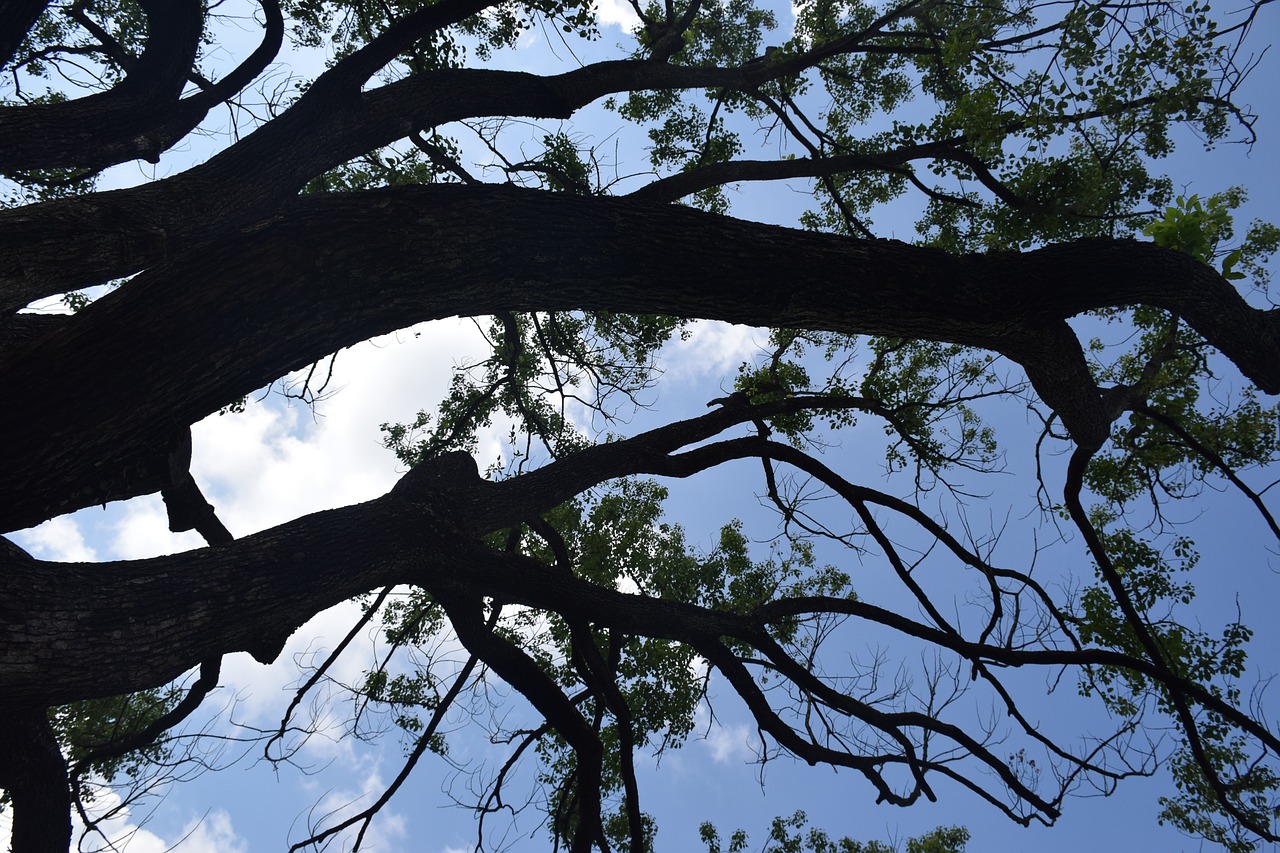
column 167, row 611
column 77, row 631
column 128, row 121
column 520, row 671
column 238, row 313
column 62, row 245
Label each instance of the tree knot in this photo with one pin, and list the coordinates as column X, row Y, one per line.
column 446, row 476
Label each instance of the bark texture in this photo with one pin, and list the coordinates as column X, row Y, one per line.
column 193, row 333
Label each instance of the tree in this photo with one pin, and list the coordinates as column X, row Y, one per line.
column 944, row 839
column 388, row 190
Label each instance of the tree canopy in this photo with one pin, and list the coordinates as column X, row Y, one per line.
column 321, row 172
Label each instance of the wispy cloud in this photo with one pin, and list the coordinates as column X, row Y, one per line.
column 212, row 832
column 727, row 744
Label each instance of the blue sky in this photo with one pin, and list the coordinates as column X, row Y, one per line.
column 277, row 461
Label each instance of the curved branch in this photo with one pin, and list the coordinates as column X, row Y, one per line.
column 200, row 688
column 17, row 17
column 523, row 674
column 92, row 135
column 244, row 73
column 119, row 124
column 355, row 70
column 61, row 245
column 140, row 624
column 1156, row 654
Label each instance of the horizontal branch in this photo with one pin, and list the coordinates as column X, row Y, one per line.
column 63, row 245
column 190, row 335
column 71, row 631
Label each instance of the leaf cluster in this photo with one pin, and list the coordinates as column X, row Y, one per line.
column 789, row 835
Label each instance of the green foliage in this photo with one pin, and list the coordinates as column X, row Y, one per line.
column 1008, row 151
column 346, row 27
column 383, row 168
column 923, row 392
column 789, row 835
column 1067, row 139
column 235, row 407
column 39, row 185
column 617, row 540
column 85, row 727
column 925, row 387
column 1197, row 808
column 1195, row 228
column 777, row 380
column 687, row 132
column 564, row 169
column 540, row 363
column 1167, row 450
column 1169, row 365
column 1150, row 576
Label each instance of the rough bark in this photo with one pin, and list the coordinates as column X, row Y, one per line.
column 76, row 631
column 67, row 635
column 189, row 335
column 239, row 280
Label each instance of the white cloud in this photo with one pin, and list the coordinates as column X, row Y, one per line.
column 212, row 834
column 143, row 531
column 209, row 833
column 263, row 691
column 712, row 349
column 617, row 12
column 275, row 462
column 387, row 828
column 730, row 743
column 59, row 540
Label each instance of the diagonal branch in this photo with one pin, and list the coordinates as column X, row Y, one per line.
column 123, row 123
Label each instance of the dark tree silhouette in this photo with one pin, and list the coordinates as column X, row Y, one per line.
column 353, row 209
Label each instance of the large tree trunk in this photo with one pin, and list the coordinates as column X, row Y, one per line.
column 34, row 774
